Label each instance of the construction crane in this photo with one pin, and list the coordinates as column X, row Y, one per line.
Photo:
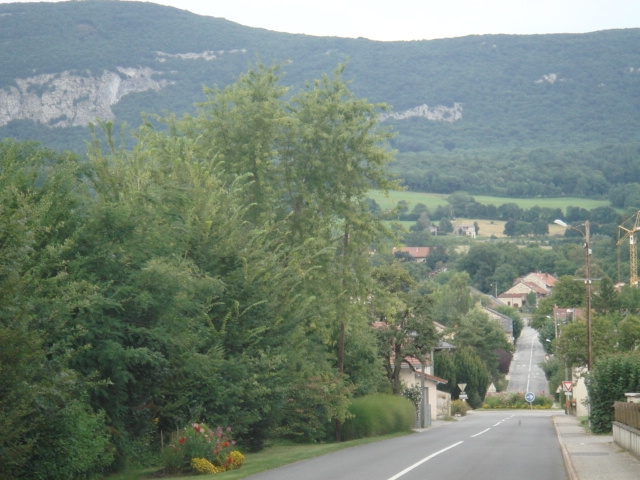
column 630, row 233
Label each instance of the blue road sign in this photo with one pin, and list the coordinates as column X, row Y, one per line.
column 529, row 397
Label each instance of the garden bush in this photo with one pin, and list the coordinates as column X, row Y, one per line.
column 199, row 449
column 459, row 407
column 607, row 383
column 379, row 414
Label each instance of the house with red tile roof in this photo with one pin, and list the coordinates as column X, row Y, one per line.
column 536, row 282
column 420, row 254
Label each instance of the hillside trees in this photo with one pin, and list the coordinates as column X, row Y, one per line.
column 194, row 276
column 272, row 253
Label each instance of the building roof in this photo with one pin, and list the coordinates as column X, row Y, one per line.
column 537, row 288
column 509, row 294
column 415, row 252
column 563, row 314
column 433, row 378
column 549, row 280
column 505, row 321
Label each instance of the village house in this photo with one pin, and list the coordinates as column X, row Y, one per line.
column 505, row 322
column 412, row 372
column 543, row 280
column 464, row 230
column 419, row 254
column 439, row 403
column 540, row 284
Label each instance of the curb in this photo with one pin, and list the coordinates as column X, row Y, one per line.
column 568, row 465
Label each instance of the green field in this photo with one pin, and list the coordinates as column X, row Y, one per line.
column 433, row 200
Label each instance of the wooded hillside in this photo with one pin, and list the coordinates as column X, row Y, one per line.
column 466, row 108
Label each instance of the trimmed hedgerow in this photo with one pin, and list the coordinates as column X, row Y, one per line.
column 516, row 400
column 607, row 383
column 379, row 414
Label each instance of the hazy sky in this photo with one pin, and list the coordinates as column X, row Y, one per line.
column 419, row 19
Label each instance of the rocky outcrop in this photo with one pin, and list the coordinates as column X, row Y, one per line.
column 67, row 99
column 207, row 55
column 438, row 113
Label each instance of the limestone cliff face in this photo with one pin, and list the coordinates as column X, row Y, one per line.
column 67, row 99
column 439, row 113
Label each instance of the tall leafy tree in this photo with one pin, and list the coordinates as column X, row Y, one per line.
column 404, row 325
column 453, row 300
column 241, row 126
column 485, row 336
column 572, row 343
column 334, row 154
column 463, row 366
column 605, row 298
column 43, row 403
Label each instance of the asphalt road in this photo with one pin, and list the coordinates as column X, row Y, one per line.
column 524, row 374
column 481, row 446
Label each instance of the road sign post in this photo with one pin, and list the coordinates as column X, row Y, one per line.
column 530, row 397
column 463, row 395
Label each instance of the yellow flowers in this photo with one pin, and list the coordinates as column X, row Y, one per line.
column 202, row 465
column 237, row 459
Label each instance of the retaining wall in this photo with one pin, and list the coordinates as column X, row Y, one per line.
column 627, row 437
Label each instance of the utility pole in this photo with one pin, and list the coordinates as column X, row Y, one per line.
column 588, row 282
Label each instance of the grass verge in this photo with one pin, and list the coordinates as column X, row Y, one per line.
column 275, row 456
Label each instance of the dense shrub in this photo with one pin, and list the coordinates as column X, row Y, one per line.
column 379, row 414
column 459, row 407
column 516, row 400
column 73, row 444
column 607, row 383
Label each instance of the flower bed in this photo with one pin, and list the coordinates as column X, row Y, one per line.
column 202, row 450
column 516, row 400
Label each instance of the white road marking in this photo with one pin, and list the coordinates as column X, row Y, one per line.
column 416, row 465
column 530, row 363
column 478, row 434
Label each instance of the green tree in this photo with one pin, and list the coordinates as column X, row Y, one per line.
column 572, row 342
column 605, row 298
column 629, row 333
column 512, row 313
column 241, row 125
column 463, row 366
column 476, row 330
column 50, row 430
column 453, row 300
column 404, row 325
column 445, row 226
column 568, row 293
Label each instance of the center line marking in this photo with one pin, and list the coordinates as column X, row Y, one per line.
column 478, row 434
column 415, row 465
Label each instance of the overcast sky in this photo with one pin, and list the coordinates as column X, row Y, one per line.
column 419, row 19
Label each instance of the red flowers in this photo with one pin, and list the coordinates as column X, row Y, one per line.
column 182, row 440
column 198, row 428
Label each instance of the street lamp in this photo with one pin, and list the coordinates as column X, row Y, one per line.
column 585, row 236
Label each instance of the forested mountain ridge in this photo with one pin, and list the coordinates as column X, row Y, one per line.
column 489, row 97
